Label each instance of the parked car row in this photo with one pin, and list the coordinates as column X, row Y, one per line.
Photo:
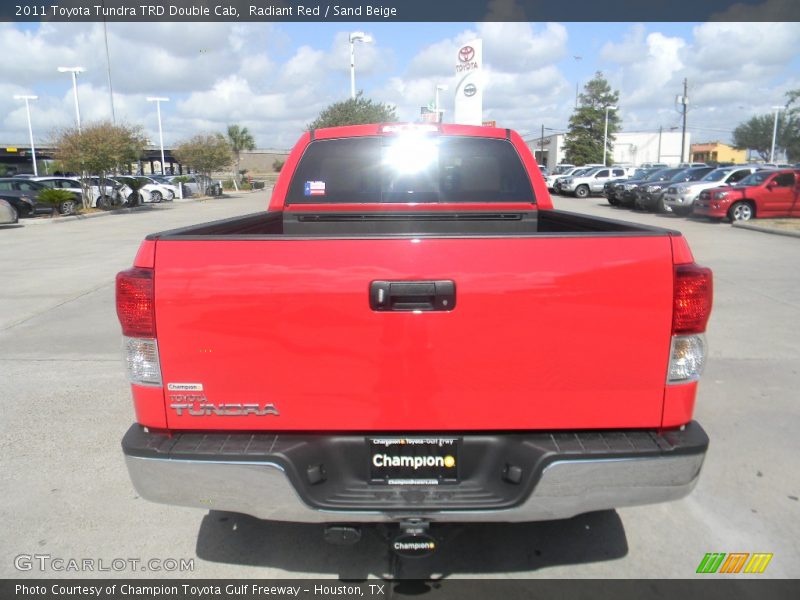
column 736, row 193
column 22, row 191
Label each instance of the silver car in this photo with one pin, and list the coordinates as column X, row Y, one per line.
column 592, row 182
column 8, row 215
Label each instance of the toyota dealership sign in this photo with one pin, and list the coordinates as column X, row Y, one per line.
column 469, row 84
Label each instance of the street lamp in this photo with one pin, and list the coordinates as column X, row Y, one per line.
column 605, row 133
column 777, row 109
column 74, row 71
column 158, row 100
column 443, row 88
column 30, row 127
column 356, row 36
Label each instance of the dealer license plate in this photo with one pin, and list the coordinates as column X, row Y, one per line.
column 413, row 460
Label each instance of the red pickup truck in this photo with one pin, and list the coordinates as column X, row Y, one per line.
column 762, row 194
column 412, row 334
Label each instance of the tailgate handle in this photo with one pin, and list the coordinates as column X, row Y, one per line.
column 412, row 295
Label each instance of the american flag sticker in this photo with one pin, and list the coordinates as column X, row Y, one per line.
column 315, row 188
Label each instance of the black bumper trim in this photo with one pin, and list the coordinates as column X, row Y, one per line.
column 484, row 459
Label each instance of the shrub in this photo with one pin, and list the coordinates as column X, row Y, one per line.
column 277, row 165
column 59, row 199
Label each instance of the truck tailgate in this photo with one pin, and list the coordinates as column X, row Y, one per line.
column 547, row 333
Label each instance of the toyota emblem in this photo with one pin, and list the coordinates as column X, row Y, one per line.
column 470, row 90
column 466, row 54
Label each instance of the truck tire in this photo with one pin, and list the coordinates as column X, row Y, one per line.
column 613, row 201
column 582, row 191
column 741, row 211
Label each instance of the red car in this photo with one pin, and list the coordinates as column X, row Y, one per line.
column 412, row 334
column 760, row 195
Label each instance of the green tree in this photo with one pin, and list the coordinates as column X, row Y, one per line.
column 205, row 153
column 584, row 140
column 240, row 139
column 755, row 134
column 791, row 129
column 354, row 111
column 98, row 149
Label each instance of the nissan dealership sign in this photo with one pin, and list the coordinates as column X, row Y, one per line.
column 469, row 84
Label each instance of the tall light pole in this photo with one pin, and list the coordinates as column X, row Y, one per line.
column 777, row 109
column 74, row 71
column 108, row 72
column 443, row 88
column 30, row 127
column 684, row 102
column 356, row 36
column 158, row 100
column 577, row 58
column 605, row 133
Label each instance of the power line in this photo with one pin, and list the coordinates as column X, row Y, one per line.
column 711, row 129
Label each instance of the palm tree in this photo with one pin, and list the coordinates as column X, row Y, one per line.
column 240, row 139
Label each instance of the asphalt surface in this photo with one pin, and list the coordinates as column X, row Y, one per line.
column 66, row 493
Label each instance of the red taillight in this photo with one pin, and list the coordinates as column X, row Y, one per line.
column 135, row 303
column 692, row 298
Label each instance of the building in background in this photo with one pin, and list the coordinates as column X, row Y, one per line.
column 717, row 152
column 629, row 148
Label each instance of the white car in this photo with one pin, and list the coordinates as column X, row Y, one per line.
column 168, row 191
column 148, row 193
column 550, row 180
column 195, row 183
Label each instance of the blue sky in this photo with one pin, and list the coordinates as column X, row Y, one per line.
column 275, row 78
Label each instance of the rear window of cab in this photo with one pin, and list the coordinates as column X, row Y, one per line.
column 410, row 168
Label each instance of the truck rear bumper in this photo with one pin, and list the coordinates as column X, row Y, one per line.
column 270, row 476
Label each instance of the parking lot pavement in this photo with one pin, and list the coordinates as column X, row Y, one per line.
column 66, row 405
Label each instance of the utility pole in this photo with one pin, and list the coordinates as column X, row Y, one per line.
column 684, row 101
column 541, row 146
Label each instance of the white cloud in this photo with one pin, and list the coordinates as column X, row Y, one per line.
column 256, row 75
column 734, row 70
column 523, row 89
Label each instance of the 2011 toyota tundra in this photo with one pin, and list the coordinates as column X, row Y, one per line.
column 412, row 334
